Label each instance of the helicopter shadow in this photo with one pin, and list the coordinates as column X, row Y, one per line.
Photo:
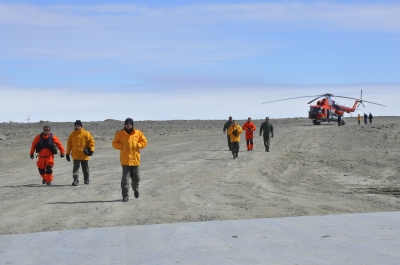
column 324, row 124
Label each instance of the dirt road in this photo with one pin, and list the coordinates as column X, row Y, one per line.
column 188, row 175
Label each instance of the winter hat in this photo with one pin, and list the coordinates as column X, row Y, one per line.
column 78, row 122
column 129, row 120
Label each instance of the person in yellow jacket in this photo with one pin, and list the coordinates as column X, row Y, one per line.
column 234, row 132
column 81, row 143
column 129, row 141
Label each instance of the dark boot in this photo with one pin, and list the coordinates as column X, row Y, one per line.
column 86, row 180
column 136, row 192
column 125, row 194
column 76, row 181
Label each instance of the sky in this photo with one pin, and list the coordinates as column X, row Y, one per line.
column 186, row 60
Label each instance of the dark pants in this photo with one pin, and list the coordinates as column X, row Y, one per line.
column 235, row 148
column 229, row 141
column 85, row 168
column 370, row 121
column 250, row 141
column 133, row 173
column 267, row 140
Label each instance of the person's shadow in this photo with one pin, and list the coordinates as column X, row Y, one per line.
column 82, row 202
column 34, row 186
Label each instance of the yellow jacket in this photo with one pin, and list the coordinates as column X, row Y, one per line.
column 232, row 128
column 77, row 141
column 130, row 145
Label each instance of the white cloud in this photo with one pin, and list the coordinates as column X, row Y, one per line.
column 366, row 16
column 64, row 104
column 186, row 33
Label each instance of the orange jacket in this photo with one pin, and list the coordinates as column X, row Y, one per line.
column 235, row 138
column 77, row 141
column 45, row 151
column 249, row 128
column 129, row 146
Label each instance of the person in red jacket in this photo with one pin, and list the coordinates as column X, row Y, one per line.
column 46, row 145
column 249, row 128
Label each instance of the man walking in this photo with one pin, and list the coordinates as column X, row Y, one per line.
column 226, row 127
column 81, row 144
column 268, row 130
column 370, row 117
column 129, row 141
column 365, row 118
column 249, row 127
column 46, row 144
column 234, row 132
column 359, row 119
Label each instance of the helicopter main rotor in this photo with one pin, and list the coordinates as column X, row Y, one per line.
column 328, row 96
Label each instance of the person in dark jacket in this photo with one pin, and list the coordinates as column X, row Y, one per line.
column 226, row 127
column 268, row 130
column 370, row 117
column 365, row 118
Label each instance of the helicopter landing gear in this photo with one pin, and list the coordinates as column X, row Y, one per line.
column 315, row 122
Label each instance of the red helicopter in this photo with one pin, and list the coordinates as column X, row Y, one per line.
column 327, row 110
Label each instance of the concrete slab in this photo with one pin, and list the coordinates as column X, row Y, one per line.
column 371, row 238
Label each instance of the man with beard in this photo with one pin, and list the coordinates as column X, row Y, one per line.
column 129, row 141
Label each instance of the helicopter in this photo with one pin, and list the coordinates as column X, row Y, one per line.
column 326, row 109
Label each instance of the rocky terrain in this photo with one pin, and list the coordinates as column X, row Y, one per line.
column 188, row 174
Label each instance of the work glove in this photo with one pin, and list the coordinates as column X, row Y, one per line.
column 32, row 156
column 67, row 157
column 62, row 155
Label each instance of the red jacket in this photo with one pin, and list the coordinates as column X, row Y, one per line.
column 249, row 128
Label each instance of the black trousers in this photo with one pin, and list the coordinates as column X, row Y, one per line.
column 131, row 172
column 235, row 148
column 85, row 168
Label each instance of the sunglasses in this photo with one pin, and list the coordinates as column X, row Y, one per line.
column 46, row 130
column 128, row 123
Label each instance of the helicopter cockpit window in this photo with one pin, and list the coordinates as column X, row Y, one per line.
column 315, row 109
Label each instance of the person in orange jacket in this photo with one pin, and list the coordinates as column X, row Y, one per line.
column 359, row 119
column 46, row 144
column 249, row 128
column 234, row 132
column 129, row 141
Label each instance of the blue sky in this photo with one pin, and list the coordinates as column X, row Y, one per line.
column 161, row 60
